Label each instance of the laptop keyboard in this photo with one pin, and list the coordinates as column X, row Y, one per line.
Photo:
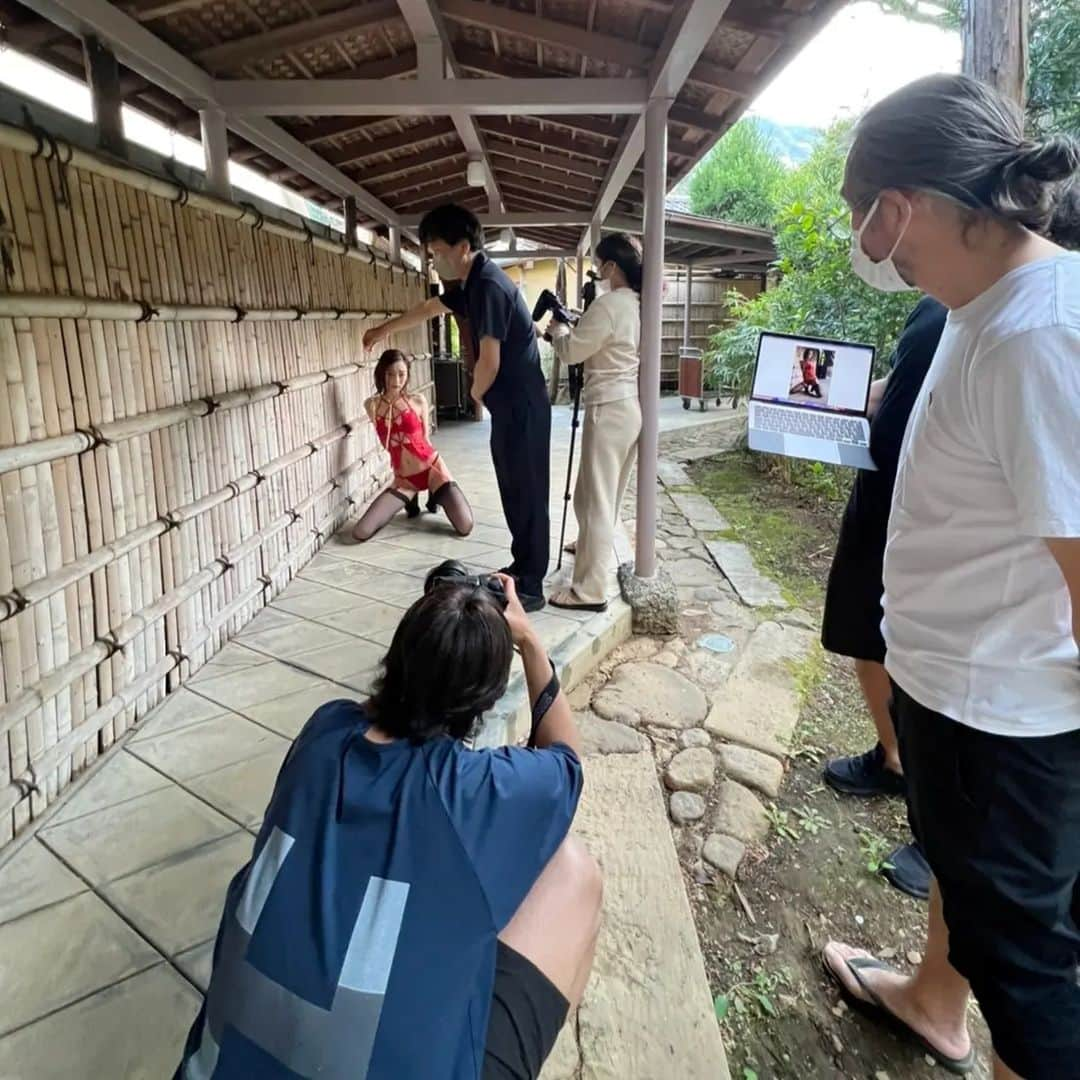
column 810, row 423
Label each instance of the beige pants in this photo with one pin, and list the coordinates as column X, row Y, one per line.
column 608, row 445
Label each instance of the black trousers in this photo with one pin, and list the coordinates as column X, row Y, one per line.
column 999, row 819
column 521, row 454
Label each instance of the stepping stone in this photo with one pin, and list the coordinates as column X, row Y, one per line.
column 700, row 514
column 772, row 653
column 724, row 852
column 757, row 714
column 753, row 587
column 691, row 571
column 647, row 1012
column 691, row 770
column 739, row 813
column 672, row 473
column 609, row 736
column 752, row 768
column 694, row 737
column 651, row 693
column 686, row 806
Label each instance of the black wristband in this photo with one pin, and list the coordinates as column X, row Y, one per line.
column 543, row 704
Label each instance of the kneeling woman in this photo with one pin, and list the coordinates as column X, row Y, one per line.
column 402, row 425
column 606, row 340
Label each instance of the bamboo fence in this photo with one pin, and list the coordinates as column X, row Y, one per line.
column 181, row 423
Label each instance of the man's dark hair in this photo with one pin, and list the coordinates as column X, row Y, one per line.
column 449, row 662
column 451, row 224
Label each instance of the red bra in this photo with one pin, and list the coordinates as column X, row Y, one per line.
column 405, row 433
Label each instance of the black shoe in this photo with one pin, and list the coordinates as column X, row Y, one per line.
column 906, row 869
column 532, row 602
column 412, row 507
column 864, row 775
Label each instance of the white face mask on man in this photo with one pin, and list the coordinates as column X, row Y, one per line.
column 878, row 275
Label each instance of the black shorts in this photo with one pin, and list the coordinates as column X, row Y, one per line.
column 851, row 623
column 527, row 1014
column 999, row 820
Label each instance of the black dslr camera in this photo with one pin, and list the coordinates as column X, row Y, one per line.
column 548, row 303
column 453, row 572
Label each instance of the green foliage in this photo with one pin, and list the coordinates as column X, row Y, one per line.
column 1054, row 69
column 818, row 292
column 739, row 179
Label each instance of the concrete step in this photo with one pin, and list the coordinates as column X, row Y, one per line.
column 647, row 1013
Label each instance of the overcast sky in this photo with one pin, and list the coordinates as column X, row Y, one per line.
column 861, row 56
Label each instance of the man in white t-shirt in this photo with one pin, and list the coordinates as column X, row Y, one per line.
column 982, row 572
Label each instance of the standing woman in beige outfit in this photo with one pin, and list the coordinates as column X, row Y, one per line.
column 607, row 341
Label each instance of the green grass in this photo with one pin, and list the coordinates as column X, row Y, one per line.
column 787, row 516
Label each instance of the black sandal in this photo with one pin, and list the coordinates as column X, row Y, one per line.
column 876, row 1010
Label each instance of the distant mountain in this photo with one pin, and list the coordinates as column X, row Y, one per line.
column 793, row 142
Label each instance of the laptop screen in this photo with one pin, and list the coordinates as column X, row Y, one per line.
column 812, row 373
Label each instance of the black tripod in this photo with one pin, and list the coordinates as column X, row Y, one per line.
column 575, row 375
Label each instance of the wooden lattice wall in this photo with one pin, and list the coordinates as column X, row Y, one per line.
column 169, row 459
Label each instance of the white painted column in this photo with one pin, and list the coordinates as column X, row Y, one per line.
column 215, row 143
column 395, row 243
column 580, row 281
column 656, row 117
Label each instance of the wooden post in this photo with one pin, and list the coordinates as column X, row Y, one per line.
column 350, row 220
column 215, row 141
column 687, row 335
column 995, row 37
column 103, row 78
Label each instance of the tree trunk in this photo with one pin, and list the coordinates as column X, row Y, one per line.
column 995, row 37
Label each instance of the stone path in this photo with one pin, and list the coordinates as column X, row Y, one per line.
column 702, row 722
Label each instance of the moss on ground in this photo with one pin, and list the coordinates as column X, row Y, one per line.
column 788, row 523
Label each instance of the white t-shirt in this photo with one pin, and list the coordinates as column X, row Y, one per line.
column 607, row 340
column 978, row 619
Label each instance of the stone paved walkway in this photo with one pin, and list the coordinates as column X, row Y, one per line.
column 107, row 915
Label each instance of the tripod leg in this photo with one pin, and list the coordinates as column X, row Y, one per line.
column 569, row 471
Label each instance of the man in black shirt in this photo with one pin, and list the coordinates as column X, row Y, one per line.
column 507, row 380
column 853, row 612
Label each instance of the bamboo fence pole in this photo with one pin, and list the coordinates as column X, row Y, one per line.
column 66, row 155
column 34, row 452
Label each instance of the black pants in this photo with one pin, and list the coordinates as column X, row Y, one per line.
column 521, row 454
column 999, row 820
column 527, row 1014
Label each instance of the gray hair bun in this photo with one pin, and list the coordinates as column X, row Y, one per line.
column 1027, row 188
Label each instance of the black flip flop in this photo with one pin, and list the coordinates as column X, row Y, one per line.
column 579, row 607
column 876, row 1010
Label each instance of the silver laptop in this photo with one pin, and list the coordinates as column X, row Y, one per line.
column 809, row 399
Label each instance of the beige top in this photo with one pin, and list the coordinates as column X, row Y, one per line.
column 607, row 340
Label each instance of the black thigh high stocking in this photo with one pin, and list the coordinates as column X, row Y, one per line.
column 385, row 506
column 456, row 507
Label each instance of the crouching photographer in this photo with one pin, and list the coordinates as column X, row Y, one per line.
column 413, row 909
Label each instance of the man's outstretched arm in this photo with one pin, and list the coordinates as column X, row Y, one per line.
column 417, row 316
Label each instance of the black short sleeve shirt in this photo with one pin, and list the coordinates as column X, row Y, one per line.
column 494, row 307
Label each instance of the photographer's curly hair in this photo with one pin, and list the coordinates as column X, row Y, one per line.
column 449, row 662
column 386, row 361
column 954, row 136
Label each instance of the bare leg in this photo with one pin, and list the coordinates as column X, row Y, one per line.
column 567, row 895
column 383, row 508
column 877, row 692
column 933, row 1001
column 456, row 507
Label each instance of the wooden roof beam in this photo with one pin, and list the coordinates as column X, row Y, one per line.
column 402, row 166
column 231, row 55
column 613, row 50
column 415, row 136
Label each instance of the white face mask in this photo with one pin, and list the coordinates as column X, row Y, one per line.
column 878, row 275
column 603, row 286
column 444, row 267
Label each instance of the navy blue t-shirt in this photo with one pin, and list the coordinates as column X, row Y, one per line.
column 359, row 941
column 494, row 307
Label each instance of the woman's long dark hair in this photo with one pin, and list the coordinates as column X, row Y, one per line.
column 625, row 252
column 449, row 662
column 386, row 361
